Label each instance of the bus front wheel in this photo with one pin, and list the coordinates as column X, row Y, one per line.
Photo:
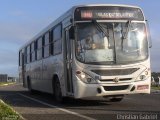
column 57, row 91
column 30, row 86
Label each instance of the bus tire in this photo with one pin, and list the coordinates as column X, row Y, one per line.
column 29, row 85
column 57, row 91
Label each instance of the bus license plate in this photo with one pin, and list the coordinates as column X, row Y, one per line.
column 142, row 87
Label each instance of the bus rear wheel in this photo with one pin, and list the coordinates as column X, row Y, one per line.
column 30, row 86
column 57, row 91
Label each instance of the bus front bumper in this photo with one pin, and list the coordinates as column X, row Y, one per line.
column 82, row 89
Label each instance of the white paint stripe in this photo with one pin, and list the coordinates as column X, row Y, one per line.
column 58, row 108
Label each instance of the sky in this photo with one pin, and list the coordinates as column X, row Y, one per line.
column 20, row 20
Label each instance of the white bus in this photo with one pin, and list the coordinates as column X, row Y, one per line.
column 91, row 50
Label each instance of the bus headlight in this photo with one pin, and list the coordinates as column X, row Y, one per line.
column 143, row 76
column 85, row 77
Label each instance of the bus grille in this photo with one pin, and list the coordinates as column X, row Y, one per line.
column 120, row 80
column 113, row 72
column 115, row 88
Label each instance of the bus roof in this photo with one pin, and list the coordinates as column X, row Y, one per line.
column 122, row 5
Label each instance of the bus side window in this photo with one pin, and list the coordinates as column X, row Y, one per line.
column 28, row 54
column 20, row 58
column 46, row 44
column 32, row 51
column 39, row 48
column 51, row 42
column 35, row 49
column 57, row 40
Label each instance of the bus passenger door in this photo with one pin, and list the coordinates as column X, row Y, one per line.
column 68, row 62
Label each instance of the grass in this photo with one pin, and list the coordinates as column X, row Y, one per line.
column 7, row 113
column 6, row 83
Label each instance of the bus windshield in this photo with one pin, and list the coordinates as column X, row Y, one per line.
column 122, row 43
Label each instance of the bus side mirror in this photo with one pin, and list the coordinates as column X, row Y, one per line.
column 149, row 35
column 71, row 33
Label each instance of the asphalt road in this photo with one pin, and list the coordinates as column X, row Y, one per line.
column 40, row 106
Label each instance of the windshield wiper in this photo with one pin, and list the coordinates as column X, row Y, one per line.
column 100, row 28
column 125, row 35
column 128, row 24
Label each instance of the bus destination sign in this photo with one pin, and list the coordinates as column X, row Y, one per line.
column 108, row 13
column 105, row 14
